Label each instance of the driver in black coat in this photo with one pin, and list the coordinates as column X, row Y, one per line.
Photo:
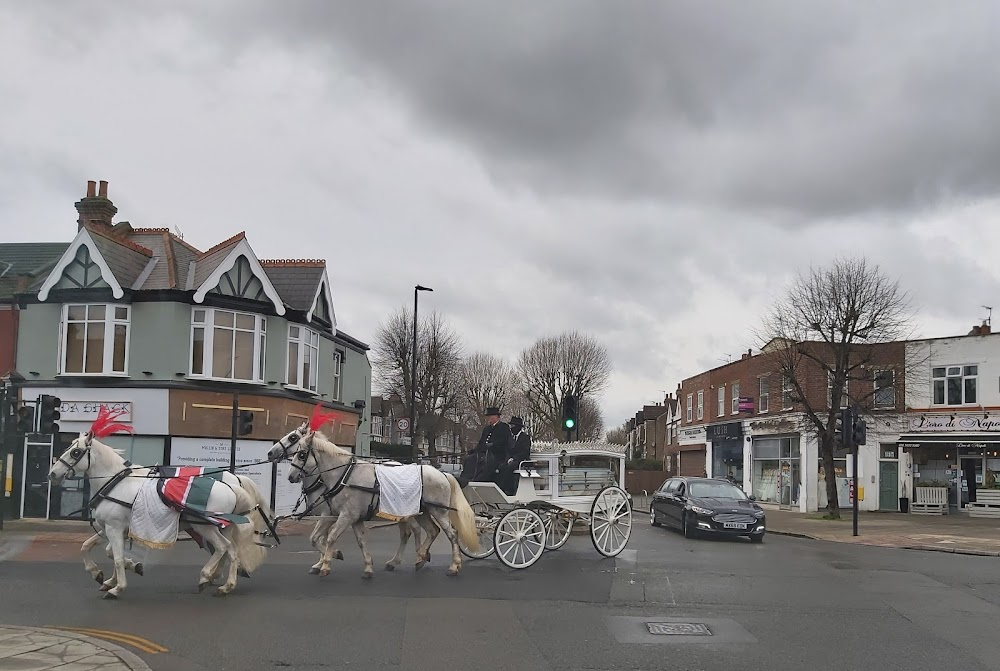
column 520, row 450
column 491, row 452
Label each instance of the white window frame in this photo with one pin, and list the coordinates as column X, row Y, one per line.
column 690, row 408
column 337, row 375
column 109, row 338
column 701, row 404
column 722, row 400
column 208, row 325
column 845, row 399
column 736, row 398
column 764, row 396
column 877, row 389
column 941, row 375
column 306, row 340
column 787, row 389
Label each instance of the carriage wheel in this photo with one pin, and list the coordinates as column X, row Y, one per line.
column 519, row 538
column 558, row 526
column 485, row 525
column 611, row 521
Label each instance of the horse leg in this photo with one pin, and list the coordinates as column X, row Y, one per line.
column 227, row 546
column 359, row 534
column 318, row 536
column 404, row 537
column 339, row 527
column 424, row 548
column 211, row 568
column 441, row 517
column 118, row 582
column 88, row 564
column 129, row 564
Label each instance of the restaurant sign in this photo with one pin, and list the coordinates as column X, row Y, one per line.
column 941, row 423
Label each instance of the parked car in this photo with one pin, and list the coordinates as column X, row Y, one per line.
column 709, row 506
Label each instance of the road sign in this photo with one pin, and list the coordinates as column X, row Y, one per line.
column 851, row 498
column 403, row 424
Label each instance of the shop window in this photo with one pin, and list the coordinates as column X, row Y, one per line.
column 227, row 345
column 955, row 385
column 776, row 467
column 885, row 388
column 95, row 339
column 303, row 358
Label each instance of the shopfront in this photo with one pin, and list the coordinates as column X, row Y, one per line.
column 727, row 450
column 691, row 457
column 775, row 462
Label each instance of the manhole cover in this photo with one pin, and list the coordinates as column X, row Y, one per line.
column 678, row 629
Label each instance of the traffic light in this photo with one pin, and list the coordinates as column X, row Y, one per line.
column 48, row 413
column 843, row 431
column 246, row 423
column 570, row 412
column 25, row 419
column 860, row 433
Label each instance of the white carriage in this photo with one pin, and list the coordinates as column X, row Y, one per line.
column 563, row 485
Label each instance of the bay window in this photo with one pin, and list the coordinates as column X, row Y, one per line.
column 95, row 339
column 303, row 357
column 227, row 345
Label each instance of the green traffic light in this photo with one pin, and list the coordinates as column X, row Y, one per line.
column 570, row 423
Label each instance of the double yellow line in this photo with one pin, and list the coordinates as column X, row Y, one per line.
column 142, row 644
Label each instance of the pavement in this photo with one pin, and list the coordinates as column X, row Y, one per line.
column 690, row 604
column 38, row 649
column 955, row 534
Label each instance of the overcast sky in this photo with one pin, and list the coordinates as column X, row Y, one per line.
column 651, row 173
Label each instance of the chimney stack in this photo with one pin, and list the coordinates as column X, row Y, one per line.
column 95, row 210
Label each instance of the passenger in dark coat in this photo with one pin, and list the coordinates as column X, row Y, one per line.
column 520, row 450
column 491, row 452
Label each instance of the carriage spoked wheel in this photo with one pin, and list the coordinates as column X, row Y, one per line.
column 485, row 526
column 519, row 538
column 558, row 527
column 611, row 521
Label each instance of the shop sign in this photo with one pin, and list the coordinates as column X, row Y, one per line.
column 954, row 423
column 214, row 453
column 727, row 431
column 87, row 411
column 691, row 436
column 889, row 452
column 745, row 404
column 774, row 426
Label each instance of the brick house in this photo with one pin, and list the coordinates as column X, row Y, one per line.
column 744, row 421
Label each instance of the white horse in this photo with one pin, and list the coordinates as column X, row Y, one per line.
column 346, row 492
column 113, row 512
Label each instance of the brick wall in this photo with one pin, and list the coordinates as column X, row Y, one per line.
column 8, row 340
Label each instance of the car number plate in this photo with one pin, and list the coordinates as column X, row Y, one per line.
column 734, row 525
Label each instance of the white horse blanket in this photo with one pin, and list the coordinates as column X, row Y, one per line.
column 400, row 490
column 154, row 523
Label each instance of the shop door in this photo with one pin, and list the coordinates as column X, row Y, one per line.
column 37, row 462
column 888, row 487
column 788, row 480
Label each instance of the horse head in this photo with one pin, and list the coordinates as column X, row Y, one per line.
column 79, row 457
column 286, row 447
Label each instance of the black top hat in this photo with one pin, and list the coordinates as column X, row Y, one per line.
column 516, row 421
column 492, row 411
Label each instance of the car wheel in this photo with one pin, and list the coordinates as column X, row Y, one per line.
column 652, row 517
column 686, row 526
column 757, row 538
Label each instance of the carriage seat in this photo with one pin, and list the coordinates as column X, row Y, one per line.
column 528, row 469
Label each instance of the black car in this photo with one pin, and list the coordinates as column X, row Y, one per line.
column 707, row 505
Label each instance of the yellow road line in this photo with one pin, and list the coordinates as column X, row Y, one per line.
column 135, row 641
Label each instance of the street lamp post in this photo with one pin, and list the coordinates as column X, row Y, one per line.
column 413, row 378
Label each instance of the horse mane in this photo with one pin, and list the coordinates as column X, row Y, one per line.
column 328, row 445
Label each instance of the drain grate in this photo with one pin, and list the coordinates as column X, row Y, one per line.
column 678, row 629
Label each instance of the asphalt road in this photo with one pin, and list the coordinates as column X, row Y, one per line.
column 787, row 604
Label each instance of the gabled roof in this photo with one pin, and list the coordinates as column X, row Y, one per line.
column 120, row 261
column 25, row 259
column 173, row 254
column 221, row 259
column 302, row 284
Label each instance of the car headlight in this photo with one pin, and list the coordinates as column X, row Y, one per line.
column 702, row 511
column 758, row 514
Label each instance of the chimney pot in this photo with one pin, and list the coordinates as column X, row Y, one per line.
column 91, row 188
column 103, row 193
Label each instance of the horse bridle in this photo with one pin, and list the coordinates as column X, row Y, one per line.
column 71, row 473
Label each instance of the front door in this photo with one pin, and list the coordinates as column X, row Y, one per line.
column 888, row 486
column 37, row 462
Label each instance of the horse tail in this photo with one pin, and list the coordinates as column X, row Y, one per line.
column 250, row 554
column 462, row 518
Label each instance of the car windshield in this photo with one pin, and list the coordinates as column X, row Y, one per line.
column 716, row 490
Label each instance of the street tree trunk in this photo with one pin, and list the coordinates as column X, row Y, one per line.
column 833, row 500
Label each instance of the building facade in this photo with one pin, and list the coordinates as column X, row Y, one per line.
column 141, row 321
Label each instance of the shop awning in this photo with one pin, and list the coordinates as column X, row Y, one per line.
column 915, row 440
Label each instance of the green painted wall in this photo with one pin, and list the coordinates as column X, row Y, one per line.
column 160, row 341
column 38, row 341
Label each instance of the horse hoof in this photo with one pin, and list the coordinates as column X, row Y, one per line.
column 420, row 565
column 313, row 571
column 453, row 571
column 138, row 568
column 324, row 572
column 339, row 555
column 99, row 577
column 368, row 575
column 202, row 586
column 390, row 567
column 220, row 592
column 104, row 588
column 110, row 596
column 242, row 572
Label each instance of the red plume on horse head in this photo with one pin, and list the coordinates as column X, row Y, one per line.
column 105, row 423
column 319, row 418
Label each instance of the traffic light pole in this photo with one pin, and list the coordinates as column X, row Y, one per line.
column 856, row 490
column 236, row 428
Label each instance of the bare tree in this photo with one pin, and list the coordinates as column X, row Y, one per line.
column 618, row 435
column 487, row 381
column 554, row 367
column 838, row 324
column 438, row 380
